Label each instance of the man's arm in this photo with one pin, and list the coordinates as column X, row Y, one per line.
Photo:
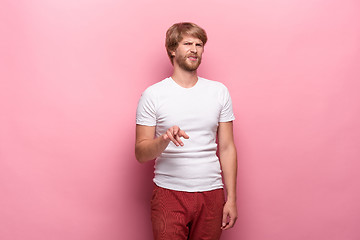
column 147, row 147
column 228, row 160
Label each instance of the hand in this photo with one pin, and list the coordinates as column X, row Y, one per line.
column 174, row 134
column 229, row 215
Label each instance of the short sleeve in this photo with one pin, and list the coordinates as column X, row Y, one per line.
column 145, row 113
column 227, row 113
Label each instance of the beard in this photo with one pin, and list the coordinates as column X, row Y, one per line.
column 186, row 65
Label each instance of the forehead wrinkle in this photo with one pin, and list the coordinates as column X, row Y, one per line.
column 189, row 38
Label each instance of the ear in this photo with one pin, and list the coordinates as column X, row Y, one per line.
column 173, row 53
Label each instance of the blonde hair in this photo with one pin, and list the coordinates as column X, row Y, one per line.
column 175, row 34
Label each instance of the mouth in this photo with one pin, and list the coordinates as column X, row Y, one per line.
column 193, row 58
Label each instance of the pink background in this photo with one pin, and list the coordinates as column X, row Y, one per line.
column 72, row 72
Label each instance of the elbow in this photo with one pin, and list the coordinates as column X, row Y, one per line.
column 139, row 158
column 228, row 154
column 138, row 154
column 227, row 148
column 141, row 154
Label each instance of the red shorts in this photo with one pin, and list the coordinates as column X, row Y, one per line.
column 178, row 215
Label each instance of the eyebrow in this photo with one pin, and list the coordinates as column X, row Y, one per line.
column 193, row 42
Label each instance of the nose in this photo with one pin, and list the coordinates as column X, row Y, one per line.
column 193, row 48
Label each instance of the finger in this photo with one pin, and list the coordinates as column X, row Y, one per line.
column 179, row 140
column 171, row 130
column 176, row 129
column 172, row 138
column 224, row 220
column 165, row 136
column 231, row 223
column 183, row 134
column 226, row 227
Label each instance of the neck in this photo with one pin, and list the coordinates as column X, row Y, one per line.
column 186, row 79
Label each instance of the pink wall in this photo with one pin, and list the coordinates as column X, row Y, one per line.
column 72, row 72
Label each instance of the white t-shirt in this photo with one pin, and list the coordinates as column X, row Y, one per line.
column 198, row 110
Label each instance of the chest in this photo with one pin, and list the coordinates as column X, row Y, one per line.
column 190, row 112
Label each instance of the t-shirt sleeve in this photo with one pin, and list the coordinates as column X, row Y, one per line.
column 145, row 113
column 227, row 113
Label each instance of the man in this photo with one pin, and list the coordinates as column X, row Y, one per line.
column 178, row 120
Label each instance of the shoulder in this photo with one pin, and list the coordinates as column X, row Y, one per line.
column 219, row 86
column 156, row 88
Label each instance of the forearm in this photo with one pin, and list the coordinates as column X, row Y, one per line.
column 148, row 149
column 228, row 161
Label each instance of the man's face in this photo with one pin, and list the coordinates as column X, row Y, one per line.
column 188, row 53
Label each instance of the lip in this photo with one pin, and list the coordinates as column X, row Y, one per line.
column 193, row 58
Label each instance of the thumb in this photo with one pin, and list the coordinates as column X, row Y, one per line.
column 224, row 219
column 165, row 136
